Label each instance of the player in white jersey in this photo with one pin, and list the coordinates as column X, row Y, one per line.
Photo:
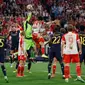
column 70, row 52
column 21, row 55
column 36, row 26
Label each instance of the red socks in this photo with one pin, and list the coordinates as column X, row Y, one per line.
column 53, row 69
column 20, row 70
column 66, row 71
column 43, row 50
column 78, row 70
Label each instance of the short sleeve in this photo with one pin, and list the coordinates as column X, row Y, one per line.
column 63, row 38
column 77, row 37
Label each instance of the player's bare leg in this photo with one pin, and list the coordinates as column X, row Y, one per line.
column 66, row 72
column 78, row 71
column 43, row 48
column 20, row 72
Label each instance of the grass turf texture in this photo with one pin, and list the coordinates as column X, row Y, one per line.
column 39, row 76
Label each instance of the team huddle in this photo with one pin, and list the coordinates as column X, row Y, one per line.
column 65, row 46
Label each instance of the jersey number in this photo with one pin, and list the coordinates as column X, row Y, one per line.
column 82, row 40
column 56, row 40
column 1, row 43
column 71, row 42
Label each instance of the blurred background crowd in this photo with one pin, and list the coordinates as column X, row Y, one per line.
column 66, row 11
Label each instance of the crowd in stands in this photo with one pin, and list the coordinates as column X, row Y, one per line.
column 65, row 11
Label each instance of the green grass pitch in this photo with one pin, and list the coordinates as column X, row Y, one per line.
column 39, row 76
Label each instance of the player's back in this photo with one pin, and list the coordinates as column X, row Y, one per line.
column 82, row 39
column 14, row 36
column 71, row 39
column 56, row 40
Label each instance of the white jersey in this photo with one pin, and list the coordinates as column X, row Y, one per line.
column 36, row 27
column 21, row 44
column 70, row 40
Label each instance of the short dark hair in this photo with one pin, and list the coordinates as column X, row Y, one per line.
column 70, row 27
column 56, row 29
column 63, row 30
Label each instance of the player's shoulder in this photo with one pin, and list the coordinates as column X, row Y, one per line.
column 65, row 34
column 58, row 34
column 81, row 33
column 74, row 33
column 77, row 34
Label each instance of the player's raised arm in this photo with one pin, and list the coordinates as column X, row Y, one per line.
column 29, row 16
column 29, row 8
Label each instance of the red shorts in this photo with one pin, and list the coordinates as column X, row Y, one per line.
column 35, row 36
column 22, row 57
column 41, row 39
column 74, row 58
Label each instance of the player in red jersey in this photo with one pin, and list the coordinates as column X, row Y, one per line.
column 69, row 51
column 39, row 41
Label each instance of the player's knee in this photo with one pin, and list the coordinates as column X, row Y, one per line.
column 1, row 64
column 54, row 63
column 60, row 61
column 67, row 64
column 78, row 64
column 42, row 44
column 20, row 62
column 54, row 60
